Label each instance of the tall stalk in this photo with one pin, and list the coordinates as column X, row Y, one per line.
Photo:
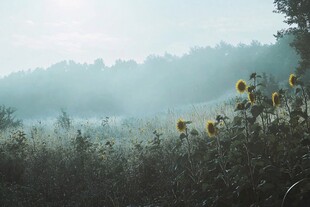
column 306, row 105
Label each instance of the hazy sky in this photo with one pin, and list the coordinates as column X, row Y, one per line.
column 38, row 33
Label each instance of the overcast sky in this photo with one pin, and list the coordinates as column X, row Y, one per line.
column 38, row 33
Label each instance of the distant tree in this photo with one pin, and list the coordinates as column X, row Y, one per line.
column 63, row 120
column 297, row 16
column 269, row 84
column 158, row 82
column 98, row 65
column 7, row 118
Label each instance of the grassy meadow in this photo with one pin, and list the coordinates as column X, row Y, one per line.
column 252, row 150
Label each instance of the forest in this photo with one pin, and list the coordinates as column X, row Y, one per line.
column 158, row 83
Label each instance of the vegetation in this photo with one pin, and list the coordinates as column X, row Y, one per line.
column 7, row 118
column 249, row 157
column 297, row 16
column 96, row 89
column 64, row 120
column 252, row 151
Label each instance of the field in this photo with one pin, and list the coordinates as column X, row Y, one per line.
column 155, row 103
column 246, row 151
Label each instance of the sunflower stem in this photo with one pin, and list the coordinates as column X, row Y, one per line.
column 260, row 102
column 246, row 125
column 277, row 115
column 250, row 170
column 227, row 128
column 248, row 154
column 221, row 161
column 189, row 153
column 262, row 114
column 264, row 118
column 289, row 112
column 263, row 122
column 306, row 105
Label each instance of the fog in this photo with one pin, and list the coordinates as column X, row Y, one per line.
column 128, row 88
column 123, row 58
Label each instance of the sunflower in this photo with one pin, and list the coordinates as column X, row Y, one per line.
column 241, row 86
column 211, row 129
column 275, row 99
column 181, row 125
column 251, row 97
column 292, row 80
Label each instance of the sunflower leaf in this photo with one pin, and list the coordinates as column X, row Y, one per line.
column 299, row 113
column 282, row 91
column 253, row 75
column 182, row 136
column 260, row 84
column 251, row 120
column 256, row 110
column 237, row 121
column 194, row 132
column 247, row 106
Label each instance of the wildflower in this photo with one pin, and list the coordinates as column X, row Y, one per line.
column 292, row 80
column 241, row 86
column 211, row 129
column 275, row 99
column 251, row 97
column 181, row 125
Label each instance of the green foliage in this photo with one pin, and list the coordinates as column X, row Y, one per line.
column 81, row 143
column 63, row 120
column 90, row 89
column 259, row 157
column 297, row 16
column 13, row 155
column 7, row 118
column 297, row 12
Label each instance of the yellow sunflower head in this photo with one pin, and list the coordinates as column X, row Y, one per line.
column 241, row 86
column 276, row 99
column 292, row 80
column 251, row 97
column 211, row 129
column 181, row 125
